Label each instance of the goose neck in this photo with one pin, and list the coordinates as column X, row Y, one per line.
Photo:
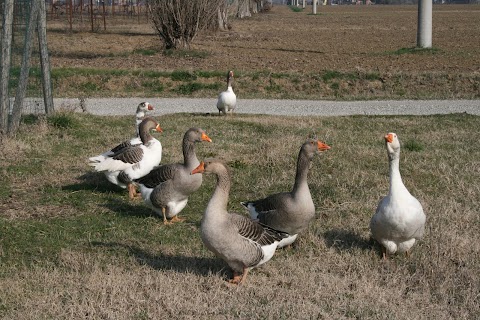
column 301, row 175
column 189, row 155
column 145, row 135
column 219, row 200
column 396, row 183
column 138, row 120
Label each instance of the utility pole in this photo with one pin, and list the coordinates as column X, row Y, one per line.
column 424, row 31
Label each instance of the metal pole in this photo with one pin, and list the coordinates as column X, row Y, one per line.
column 314, row 7
column 424, row 31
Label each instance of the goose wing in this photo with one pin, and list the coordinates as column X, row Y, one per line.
column 158, row 175
column 256, row 232
column 130, row 155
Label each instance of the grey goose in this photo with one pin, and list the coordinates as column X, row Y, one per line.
column 241, row 242
column 167, row 187
column 292, row 211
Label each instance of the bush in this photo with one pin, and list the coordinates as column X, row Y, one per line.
column 178, row 21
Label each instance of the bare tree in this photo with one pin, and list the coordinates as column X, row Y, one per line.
column 178, row 21
column 244, row 9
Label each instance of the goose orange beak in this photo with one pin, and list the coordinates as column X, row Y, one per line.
column 199, row 169
column 150, row 107
column 322, row 146
column 205, row 137
column 389, row 138
column 158, row 129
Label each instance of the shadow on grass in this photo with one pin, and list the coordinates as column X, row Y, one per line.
column 197, row 265
column 276, row 49
column 131, row 208
column 346, row 240
column 94, row 181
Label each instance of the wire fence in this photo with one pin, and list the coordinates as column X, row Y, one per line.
column 94, row 15
column 64, row 16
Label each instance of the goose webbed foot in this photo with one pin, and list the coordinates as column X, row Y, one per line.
column 176, row 219
column 239, row 278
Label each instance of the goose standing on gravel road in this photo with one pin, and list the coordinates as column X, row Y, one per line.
column 132, row 162
column 166, row 188
column 290, row 212
column 241, row 242
column 227, row 100
column 399, row 219
column 140, row 114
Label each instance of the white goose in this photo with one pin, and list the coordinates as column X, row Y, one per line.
column 133, row 162
column 399, row 219
column 227, row 100
column 290, row 212
column 166, row 188
column 241, row 242
column 140, row 114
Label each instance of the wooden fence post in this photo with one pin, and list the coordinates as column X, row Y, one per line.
column 14, row 121
column 44, row 59
column 5, row 67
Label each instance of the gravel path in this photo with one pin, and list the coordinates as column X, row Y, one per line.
column 124, row 106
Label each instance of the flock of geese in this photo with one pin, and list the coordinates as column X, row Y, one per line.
column 275, row 221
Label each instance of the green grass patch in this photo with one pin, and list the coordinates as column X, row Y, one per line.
column 296, row 86
column 62, row 120
column 413, row 145
column 191, row 87
column 154, row 85
column 180, row 75
column 89, row 87
column 416, row 50
column 145, row 52
column 178, row 53
column 331, row 74
column 295, row 8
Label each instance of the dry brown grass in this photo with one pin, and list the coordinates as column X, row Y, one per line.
column 72, row 246
column 283, row 54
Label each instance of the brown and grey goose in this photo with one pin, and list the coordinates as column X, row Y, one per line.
column 140, row 114
column 132, row 162
column 241, row 242
column 290, row 212
column 166, row 188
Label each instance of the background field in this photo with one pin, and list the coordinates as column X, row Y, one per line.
column 344, row 52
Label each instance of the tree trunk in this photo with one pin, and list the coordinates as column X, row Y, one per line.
column 243, row 9
column 5, row 68
column 255, row 6
column 14, row 121
column 44, row 59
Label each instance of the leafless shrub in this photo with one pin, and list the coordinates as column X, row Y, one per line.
column 177, row 22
